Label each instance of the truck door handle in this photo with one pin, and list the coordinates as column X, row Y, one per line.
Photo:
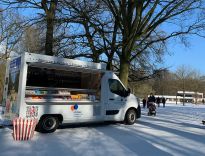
column 111, row 99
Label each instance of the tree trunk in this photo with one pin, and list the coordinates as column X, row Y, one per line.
column 124, row 71
column 96, row 57
column 50, row 17
column 49, row 37
column 125, row 60
column 109, row 65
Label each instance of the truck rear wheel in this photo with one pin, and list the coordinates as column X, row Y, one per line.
column 48, row 124
column 130, row 117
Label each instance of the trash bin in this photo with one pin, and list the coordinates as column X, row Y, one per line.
column 23, row 129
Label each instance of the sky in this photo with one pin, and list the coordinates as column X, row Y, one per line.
column 178, row 54
column 192, row 56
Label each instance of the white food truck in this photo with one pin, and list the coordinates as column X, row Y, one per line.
column 56, row 90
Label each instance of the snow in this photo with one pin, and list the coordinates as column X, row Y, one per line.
column 176, row 130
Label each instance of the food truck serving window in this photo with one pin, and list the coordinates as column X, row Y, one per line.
column 76, row 84
column 44, row 77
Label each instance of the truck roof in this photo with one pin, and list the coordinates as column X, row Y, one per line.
column 45, row 61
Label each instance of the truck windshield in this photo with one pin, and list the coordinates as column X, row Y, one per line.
column 116, row 87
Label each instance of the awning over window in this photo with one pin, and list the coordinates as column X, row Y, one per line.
column 66, row 67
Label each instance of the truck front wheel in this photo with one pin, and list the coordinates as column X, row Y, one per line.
column 130, row 117
column 48, row 124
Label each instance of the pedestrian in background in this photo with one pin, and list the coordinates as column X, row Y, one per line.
column 158, row 101
column 163, row 101
column 144, row 102
column 151, row 99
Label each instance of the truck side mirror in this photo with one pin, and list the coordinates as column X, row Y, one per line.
column 128, row 91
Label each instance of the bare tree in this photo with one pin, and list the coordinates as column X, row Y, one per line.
column 48, row 6
column 50, row 9
column 31, row 40
column 124, row 32
column 10, row 32
column 139, row 22
column 99, row 37
column 165, row 82
column 184, row 74
column 97, row 34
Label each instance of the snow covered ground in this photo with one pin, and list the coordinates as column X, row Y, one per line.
column 176, row 130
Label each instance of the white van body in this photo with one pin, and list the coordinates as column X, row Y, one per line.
column 77, row 101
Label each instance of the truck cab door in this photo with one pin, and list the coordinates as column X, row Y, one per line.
column 116, row 99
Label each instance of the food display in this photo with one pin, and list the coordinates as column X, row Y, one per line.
column 61, row 86
column 40, row 94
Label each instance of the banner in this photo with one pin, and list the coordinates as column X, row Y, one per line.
column 12, row 94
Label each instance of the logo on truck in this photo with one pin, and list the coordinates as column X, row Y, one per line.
column 76, row 112
column 74, row 107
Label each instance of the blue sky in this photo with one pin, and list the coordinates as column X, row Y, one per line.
column 192, row 56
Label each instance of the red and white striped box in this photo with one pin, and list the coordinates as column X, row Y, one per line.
column 23, row 129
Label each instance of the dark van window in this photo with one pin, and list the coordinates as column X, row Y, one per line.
column 116, row 87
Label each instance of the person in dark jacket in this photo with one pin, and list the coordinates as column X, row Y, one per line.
column 151, row 99
column 158, row 101
column 144, row 101
column 163, row 101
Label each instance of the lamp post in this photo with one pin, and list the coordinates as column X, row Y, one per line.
column 183, row 92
